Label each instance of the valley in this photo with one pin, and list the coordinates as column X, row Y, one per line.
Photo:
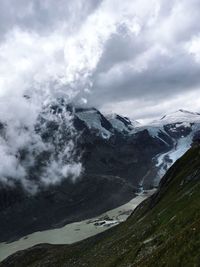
column 162, row 231
column 77, row 231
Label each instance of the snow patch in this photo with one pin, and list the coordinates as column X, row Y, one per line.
column 93, row 120
column 118, row 124
column 182, row 116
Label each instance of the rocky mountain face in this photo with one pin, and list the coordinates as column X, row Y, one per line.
column 142, row 152
column 119, row 157
column 164, row 230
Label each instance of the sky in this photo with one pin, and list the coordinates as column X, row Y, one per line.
column 137, row 58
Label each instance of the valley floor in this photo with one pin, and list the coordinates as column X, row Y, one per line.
column 75, row 232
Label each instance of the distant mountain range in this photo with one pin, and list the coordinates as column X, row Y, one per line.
column 120, row 157
column 171, row 136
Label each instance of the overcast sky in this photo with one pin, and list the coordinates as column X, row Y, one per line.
column 139, row 58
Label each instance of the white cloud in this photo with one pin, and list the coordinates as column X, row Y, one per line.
column 145, row 110
column 193, row 47
column 111, row 53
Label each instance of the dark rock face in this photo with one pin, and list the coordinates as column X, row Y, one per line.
column 22, row 214
column 129, row 157
column 196, row 139
column 177, row 130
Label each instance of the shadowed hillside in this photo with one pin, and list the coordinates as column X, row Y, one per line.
column 163, row 231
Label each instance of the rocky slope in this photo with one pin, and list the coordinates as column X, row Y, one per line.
column 157, row 145
column 163, row 230
column 119, row 158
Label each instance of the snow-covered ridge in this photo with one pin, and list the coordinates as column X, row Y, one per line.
column 93, row 119
column 178, row 116
column 105, row 125
column 120, row 123
column 176, row 122
column 175, row 130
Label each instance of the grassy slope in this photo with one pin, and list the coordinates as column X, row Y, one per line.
column 163, row 231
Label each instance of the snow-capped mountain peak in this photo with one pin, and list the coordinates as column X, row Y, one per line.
column 189, row 112
column 180, row 115
column 105, row 125
column 120, row 123
column 94, row 120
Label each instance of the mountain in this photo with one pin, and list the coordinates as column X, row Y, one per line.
column 171, row 137
column 163, row 231
column 180, row 116
column 105, row 126
column 119, row 157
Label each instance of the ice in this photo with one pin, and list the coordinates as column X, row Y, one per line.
column 93, row 120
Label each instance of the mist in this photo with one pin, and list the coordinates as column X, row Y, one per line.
column 49, row 53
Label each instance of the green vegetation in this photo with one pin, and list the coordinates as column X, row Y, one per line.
column 163, row 231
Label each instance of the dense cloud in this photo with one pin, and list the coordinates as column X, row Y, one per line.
column 102, row 51
column 160, row 62
column 44, row 16
column 139, row 58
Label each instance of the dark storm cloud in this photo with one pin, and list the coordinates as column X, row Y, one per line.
column 135, row 57
column 43, row 16
column 165, row 76
column 157, row 64
column 130, row 50
column 121, row 47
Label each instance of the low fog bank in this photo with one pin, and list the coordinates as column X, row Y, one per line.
column 37, row 145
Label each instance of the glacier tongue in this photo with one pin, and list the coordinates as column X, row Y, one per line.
column 181, row 145
column 165, row 160
column 177, row 130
